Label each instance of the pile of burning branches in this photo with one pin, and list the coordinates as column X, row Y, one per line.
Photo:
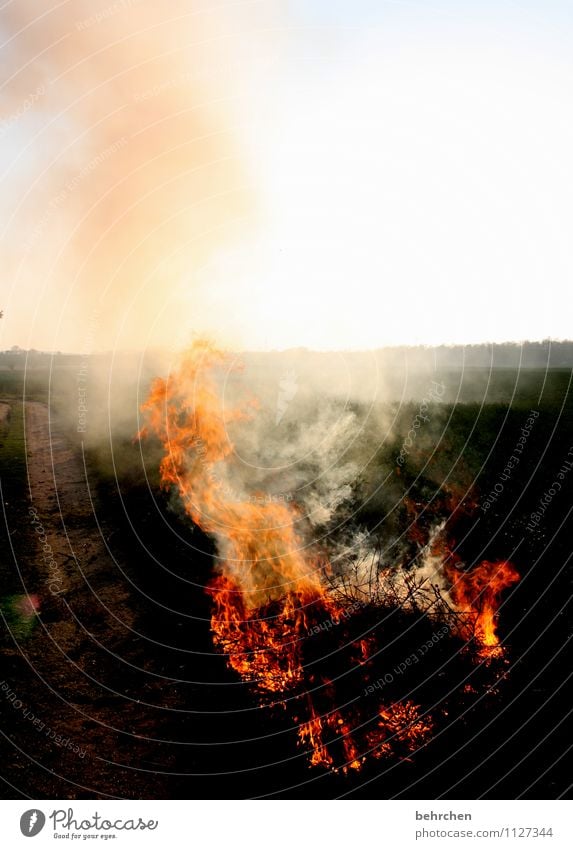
column 359, row 655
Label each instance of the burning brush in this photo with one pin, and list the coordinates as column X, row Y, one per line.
column 304, row 636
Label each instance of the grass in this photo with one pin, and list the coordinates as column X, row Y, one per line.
column 17, row 384
column 13, row 479
column 528, row 388
column 13, row 449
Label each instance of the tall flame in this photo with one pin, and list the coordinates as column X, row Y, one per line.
column 478, row 592
column 271, row 587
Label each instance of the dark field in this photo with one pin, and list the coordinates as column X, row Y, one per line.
column 117, row 663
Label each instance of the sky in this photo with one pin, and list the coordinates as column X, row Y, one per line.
column 335, row 175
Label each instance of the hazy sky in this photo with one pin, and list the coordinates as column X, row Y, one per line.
column 328, row 173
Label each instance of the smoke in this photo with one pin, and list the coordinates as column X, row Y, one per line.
column 300, row 488
column 124, row 173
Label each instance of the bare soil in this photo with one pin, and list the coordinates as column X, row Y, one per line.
column 76, row 673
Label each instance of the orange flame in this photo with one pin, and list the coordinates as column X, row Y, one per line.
column 271, row 588
column 478, row 592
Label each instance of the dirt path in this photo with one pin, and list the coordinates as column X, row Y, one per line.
column 67, row 511
column 76, row 725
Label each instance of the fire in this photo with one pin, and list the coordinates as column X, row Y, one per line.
column 478, row 592
column 271, row 589
column 310, row 734
column 263, row 643
column 402, row 721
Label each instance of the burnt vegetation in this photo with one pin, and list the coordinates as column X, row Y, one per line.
column 496, row 723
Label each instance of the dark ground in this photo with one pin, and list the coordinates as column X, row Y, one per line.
column 122, row 664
